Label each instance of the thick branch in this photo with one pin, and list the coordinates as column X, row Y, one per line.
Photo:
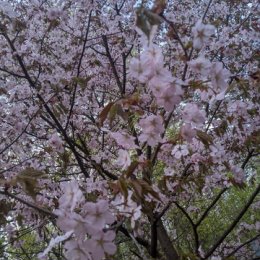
column 153, row 248
column 165, row 242
column 140, row 240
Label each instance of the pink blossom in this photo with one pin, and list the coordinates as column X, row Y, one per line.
column 157, row 86
column 201, row 33
column 54, row 14
column 123, row 139
column 238, row 173
column 192, row 114
column 170, row 97
column 151, row 138
column 72, row 195
column 152, row 123
column 72, row 221
column 162, row 74
column 152, row 54
column 188, row 132
column 101, row 243
column 123, row 159
column 77, row 250
column 217, row 152
column 168, row 172
column 56, row 142
column 179, row 151
column 152, row 129
column 139, row 70
column 128, row 207
column 97, row 214
column 200, row 65
column 219, row 77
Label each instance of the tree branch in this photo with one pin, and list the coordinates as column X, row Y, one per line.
column 204, row 215
column 29, row 204
column 194, row 227
column 78, row 70
column 234, row 223
column 112, row 63
column 242, row 245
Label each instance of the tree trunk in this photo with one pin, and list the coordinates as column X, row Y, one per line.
column 165, row 242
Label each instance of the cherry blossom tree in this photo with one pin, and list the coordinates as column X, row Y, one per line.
column 129, row 129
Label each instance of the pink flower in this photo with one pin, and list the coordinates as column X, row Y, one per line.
column 72, row 195
column 239, row 174
column 152, row 54
column 97, row 214
column 188, row 132
column 162, row 74
column 77, row 250
column 128, row 207
column 170, row 97
column 123, row 159
column 179, row 151
column 101, row 243
column 217, row 152
column 139, row 70
column 192, row 114
column 157, row 86
column 152, row 129
column 56, row 143
column 201, row 33
column 200, row 65
column 54, row 14
column 219, row 77
column 151, row 138
column 152, row 124
column 72, row 221
column 125, row 140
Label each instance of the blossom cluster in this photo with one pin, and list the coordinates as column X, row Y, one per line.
column 89, row 240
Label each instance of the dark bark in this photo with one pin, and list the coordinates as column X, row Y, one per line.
column 165, row 242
